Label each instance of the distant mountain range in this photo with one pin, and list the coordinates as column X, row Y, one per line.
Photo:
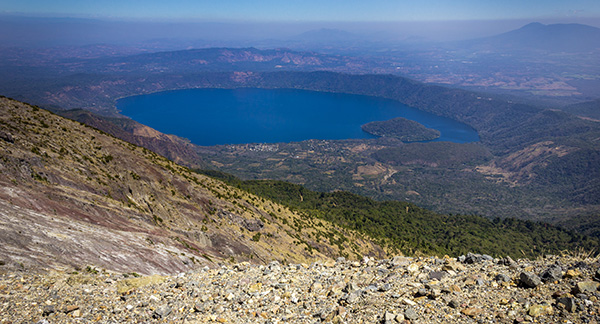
column 534, row 36
column 514, row 63
column 537, row 36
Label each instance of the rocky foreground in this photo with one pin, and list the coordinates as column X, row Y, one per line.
column 470, row 289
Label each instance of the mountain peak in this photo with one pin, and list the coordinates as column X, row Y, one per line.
column 533, row 25
column 570, row 38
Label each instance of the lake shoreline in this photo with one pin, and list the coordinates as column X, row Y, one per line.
column 217, row 116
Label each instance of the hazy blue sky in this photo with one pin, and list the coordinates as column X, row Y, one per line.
column 308, row 10
column 221, row 22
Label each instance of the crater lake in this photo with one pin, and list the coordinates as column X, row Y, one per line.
column 248, row 115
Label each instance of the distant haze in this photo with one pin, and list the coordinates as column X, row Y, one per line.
column 308, row 10
column 42, row 32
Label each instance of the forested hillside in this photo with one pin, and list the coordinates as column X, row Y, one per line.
column 406, row 228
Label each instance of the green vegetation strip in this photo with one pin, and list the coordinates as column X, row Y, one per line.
column 407, row 228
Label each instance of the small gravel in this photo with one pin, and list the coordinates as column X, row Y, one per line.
column 401, row 290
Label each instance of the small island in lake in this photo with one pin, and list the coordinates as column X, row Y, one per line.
column 403, row 129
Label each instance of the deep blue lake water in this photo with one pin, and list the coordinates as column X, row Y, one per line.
column 235, row 116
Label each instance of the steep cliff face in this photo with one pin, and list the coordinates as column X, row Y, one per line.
column 73, row 196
